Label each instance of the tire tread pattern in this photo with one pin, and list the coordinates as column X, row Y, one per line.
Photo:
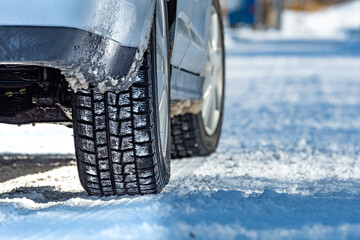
column 115, row 140
column 185, row 137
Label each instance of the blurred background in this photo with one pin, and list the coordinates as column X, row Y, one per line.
column 293, row 17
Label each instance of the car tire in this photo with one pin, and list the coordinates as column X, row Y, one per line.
column 120, row 144
column 190, row 135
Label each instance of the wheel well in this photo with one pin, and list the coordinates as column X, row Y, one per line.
column 31, row 94
column 171, row 4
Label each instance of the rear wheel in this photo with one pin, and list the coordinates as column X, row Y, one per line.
column 198, row 134
column 122, row 140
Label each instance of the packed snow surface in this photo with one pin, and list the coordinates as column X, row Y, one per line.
column 288, row 164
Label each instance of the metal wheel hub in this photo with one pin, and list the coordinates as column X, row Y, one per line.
column 213, row 84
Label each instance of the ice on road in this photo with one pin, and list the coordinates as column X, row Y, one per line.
column 288, row 164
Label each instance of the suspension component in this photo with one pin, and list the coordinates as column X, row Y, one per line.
column 25, row 87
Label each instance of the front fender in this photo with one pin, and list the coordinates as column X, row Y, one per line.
column 96, row 32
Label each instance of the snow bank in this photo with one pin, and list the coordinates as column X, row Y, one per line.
column 41, row 138
column 333, row 22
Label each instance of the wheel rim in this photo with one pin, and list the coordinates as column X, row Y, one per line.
column 213, row 85
column 162, row 73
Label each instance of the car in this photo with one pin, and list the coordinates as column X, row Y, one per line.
column 139, row 81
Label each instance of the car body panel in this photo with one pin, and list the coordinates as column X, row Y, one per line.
column 84, row 58
column 195, row 57
column 101, row 50
column 182, row 35
column 191, row 35
column 102, row 43
column 185, row 85
column 189, row 54
column 122, row 21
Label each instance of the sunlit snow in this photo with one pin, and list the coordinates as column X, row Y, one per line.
column 287, row 167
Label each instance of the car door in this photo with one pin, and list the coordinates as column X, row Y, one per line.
column 190, row 35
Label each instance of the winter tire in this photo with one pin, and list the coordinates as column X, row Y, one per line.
column 122, row 140
column 198, row 134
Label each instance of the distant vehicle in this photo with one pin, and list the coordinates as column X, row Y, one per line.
column 241, row 12
column 108, row 69
column 259, row 14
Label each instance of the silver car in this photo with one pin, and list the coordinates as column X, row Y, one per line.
column 140, row 82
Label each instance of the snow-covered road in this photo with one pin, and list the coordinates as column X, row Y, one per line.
column 288, row 164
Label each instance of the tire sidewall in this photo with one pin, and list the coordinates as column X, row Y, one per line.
column 163, row 162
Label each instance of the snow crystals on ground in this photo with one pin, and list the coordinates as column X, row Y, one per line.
column 288, row 164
